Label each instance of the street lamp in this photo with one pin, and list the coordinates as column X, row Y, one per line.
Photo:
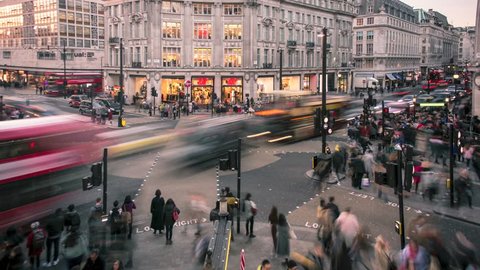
column 324, row 86
column 120, row 93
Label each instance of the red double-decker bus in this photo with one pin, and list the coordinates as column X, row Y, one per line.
column 77, row 83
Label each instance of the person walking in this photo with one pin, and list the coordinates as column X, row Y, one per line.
column 117, row 265
column 110, row 116
column 250, row 210
column 383, row 259
column 464, row 188
column 273, row 219
column 348, row 225
column 368, row 163
column 36, row 244
column 337, row 161
column 170, row 216
column 333, row 207
column 117, row 225
column 54, row 230
column 358, row 170
column 74, row 248
column 414, row 256
column 127, row 213
column 283, row 236
column 156, row 209
column 94, row 261
column 468, row 154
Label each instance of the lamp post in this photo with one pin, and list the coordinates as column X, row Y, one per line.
column 120, row 93
column 324, row 88
column 280, row 75
column 455, row 81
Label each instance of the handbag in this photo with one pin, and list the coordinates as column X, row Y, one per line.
column 291, row 232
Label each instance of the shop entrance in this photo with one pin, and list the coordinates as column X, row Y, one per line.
column 232, row 90
column 172, row 89
column 202, row 89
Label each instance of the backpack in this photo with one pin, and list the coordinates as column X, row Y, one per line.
column 127, row 217
column 38, row 239
column 175, row 214
column 115, row 216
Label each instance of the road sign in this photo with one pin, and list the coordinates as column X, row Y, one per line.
column 188, row 83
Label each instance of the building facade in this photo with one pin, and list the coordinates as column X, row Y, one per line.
column 439, row 43
column 466, row 45
column 386, row 45
column 227, row 49
column 33, row 33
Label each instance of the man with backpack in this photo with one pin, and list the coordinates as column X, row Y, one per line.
column 72, row 219
column 35, row 244
column 117, row 225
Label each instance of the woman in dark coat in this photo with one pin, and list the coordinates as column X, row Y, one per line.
column 156, row 209
column 273, row 219
column 283, row 235
column 168, row 219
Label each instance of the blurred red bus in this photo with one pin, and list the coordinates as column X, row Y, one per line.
column 77, row 83
column 42, row 160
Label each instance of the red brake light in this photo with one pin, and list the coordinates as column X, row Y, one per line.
column 32, row 145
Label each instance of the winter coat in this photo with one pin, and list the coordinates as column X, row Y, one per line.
column 283, row 240
column 99, row 264
column 35, row 251
column 357, row 165
column 72, row 220
column 156, row 208
column 168, row 214
column 337, row 159
column 76, row 248
column 54, row 227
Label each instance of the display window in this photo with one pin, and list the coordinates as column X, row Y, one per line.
column 172, row 88
column 291, row 83
column 202, row 89
column 232, row 90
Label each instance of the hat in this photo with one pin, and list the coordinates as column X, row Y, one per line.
column 35, row 225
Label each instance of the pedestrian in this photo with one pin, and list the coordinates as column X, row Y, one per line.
column 337, row 161
column 368, row 163
column 54, row 230
column 117, row 265
column 250, row 210
column 97, row 231
column 333, row 207
column 265, row 265
column 273, row 219
column 468, row 154
column 325, row 224
column 215, row 212
column 35, row 244
column 283, row 236
column 383, row 259
column 72, row 219
column 110, row 116
column 12, row 259
column 348, row 225
column 94, row 261
column 170, row 216
column 117, row 226
column 464, row 188
column 97, row 207
column 156, row 209
column 414, row 256
column 74, row 248
column 127, row 214
column 358, row 170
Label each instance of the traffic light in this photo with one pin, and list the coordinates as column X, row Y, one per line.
column 154, row 92
column 317, row 121
column 398, row 227
column 232, row 159
column 87, row 183
column 96, row 170
column 331, row 122
column 386, row 112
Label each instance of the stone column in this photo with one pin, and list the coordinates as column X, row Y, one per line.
column 187, row 26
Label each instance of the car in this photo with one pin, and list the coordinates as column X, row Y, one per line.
column 86, row 107
column 109, row 104
column 75, row 100
column 424, row 98
column 406, row 98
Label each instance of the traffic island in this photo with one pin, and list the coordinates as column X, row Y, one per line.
column 329, row 179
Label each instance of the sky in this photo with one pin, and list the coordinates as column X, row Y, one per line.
column 458, row 12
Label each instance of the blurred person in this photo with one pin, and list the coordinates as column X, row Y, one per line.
column 72, row 219
column 325, row 224
column 333, row 207
column 283, row 236
column 97, row 230
column 414, row 257
column 348, row 226
column 215, row 212
column 98, row 207
column 156, row 209
column 117, row 265
column 273, row 220
column 417, row 177
column 35, row 244
column 117, row 225
column 198, row 208
column 250, row 210
column 12, row 239
column 54, row 230
column 74, row 248
column 200, row 248
column 169, row 219
column 94, row 261
column 127, row 214
column 463, row 188
column 265, row 265
column 358, row 170
column 110, row 116
column 468, row 154
column 465, row 253
column 368, row 163
column 362, row 251
column 12, row 259
column 337, row 161
column 339, row 254
column 383, row 259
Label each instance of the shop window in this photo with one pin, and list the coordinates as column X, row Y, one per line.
column 171, row 7
column 233, row 9
column 202, row 31
column 171, row 30
column 171, row 88
column 171, row 57
column 233, row 57
column 202, row 57
column 232, row 90
column 232, row 31
column 202, row 9
column 202, row 89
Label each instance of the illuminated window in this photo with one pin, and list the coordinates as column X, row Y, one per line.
column 202, row 31
column 171, row 7
column 202, row 57
column 62, row 16
column 233, row 57
column 232, row 31
column 79, row 18
column 232, row 9
column 202, row 9
column 79, row 31
column 359, row 22
column 71, row 17
column 71, row 4
column 171, row 56
column 171, row 30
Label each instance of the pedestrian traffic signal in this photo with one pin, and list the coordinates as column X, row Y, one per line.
column 398, row 227
column 223, row 164
column 87, row 183
column 154, row 92
column 232, row 159
column 96, row 170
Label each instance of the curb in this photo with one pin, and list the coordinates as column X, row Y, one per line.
column 462, row 219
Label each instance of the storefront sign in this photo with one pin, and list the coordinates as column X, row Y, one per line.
column 231, row 81
column 84, row 54
column 202, row 81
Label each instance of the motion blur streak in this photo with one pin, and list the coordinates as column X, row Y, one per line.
column 280, row 139
column 259, row 134
column 136, row 146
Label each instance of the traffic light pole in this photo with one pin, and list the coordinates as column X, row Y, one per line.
column 120, row 95
column 452, row 164
column 105, row 158
column 400, row 198
column 239, row 176
column 383, row 119
column 324, row 89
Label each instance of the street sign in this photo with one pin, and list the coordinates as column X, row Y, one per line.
column 188, row 83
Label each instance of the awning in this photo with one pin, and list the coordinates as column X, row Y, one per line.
column 390, row 76
column 398, row 76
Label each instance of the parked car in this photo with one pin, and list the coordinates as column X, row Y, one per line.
column 109, row 104
column 75, row 100
column 86, row 107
